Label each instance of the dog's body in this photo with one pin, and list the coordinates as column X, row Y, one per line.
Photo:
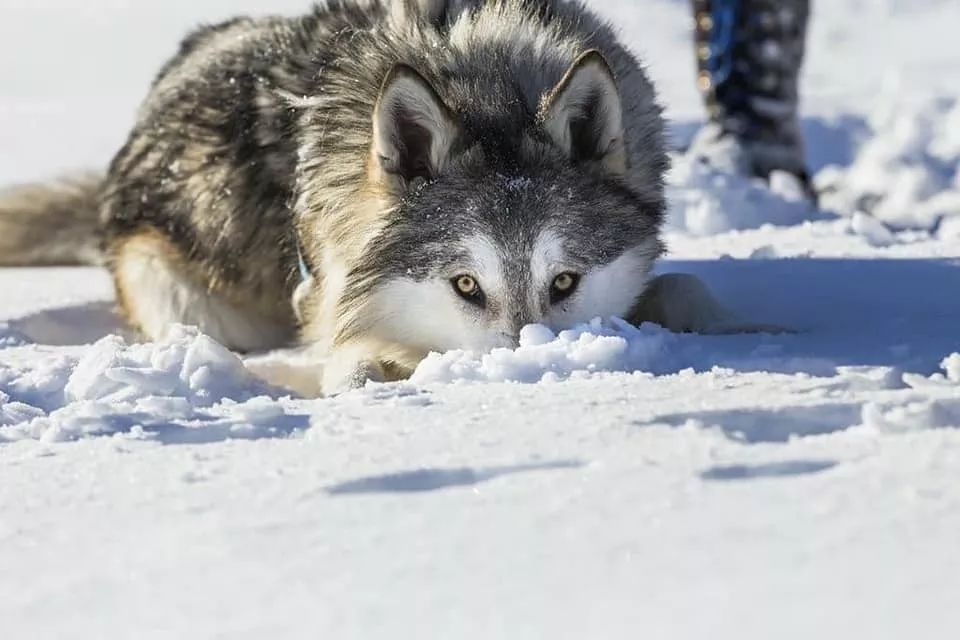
column 450, row 170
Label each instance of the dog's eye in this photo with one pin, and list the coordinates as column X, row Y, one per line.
column 469, row 289
column 563, row 287
column 467, row 285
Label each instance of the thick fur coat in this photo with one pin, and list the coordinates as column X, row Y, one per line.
column 390, row 143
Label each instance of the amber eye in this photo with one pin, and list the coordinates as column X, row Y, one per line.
column 563, row 287
column 469, row 289
column 564, row 282
column 467, row 285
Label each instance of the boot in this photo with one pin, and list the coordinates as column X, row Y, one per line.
column 749, row 55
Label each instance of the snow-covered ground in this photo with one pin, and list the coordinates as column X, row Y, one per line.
column 609, row 482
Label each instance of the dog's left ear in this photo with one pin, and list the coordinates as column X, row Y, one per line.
column 583, row 114
column 413, row 130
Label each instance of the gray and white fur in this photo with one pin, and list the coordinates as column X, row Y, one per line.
column 451, row 170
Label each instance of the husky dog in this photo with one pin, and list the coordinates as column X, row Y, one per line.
column 382, row 178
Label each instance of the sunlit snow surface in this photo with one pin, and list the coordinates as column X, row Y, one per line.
column 605, row 482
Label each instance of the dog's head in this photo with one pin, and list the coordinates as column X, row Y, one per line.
column 489, row 234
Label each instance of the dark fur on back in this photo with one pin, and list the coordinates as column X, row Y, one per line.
column 211, row 160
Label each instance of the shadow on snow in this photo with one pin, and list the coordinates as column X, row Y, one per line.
column 426, row 480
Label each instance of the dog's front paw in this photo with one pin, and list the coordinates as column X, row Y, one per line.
column 343, row 373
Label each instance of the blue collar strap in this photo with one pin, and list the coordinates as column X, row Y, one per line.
column 304, row 270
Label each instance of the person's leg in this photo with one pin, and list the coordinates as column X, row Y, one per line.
column 749, row 55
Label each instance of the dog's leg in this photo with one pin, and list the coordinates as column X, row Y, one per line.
column 350, row 367
column 683, row 303
column 156, row 290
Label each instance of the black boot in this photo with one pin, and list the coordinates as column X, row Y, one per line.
column 749, row 54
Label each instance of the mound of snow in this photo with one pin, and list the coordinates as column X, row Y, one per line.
column 907, row 174
column 185, row 380
column 921, row 413
column 543, row 356
column 186, row 365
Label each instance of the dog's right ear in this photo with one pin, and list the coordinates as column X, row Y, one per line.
column 413, row 130
column 584, row 115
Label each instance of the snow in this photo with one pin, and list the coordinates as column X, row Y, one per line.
column 872, row 230
column 906, row 173
column 186, row 381
column 710, row 199
column 951, row 366
column 545, row 357
column 606, row 482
